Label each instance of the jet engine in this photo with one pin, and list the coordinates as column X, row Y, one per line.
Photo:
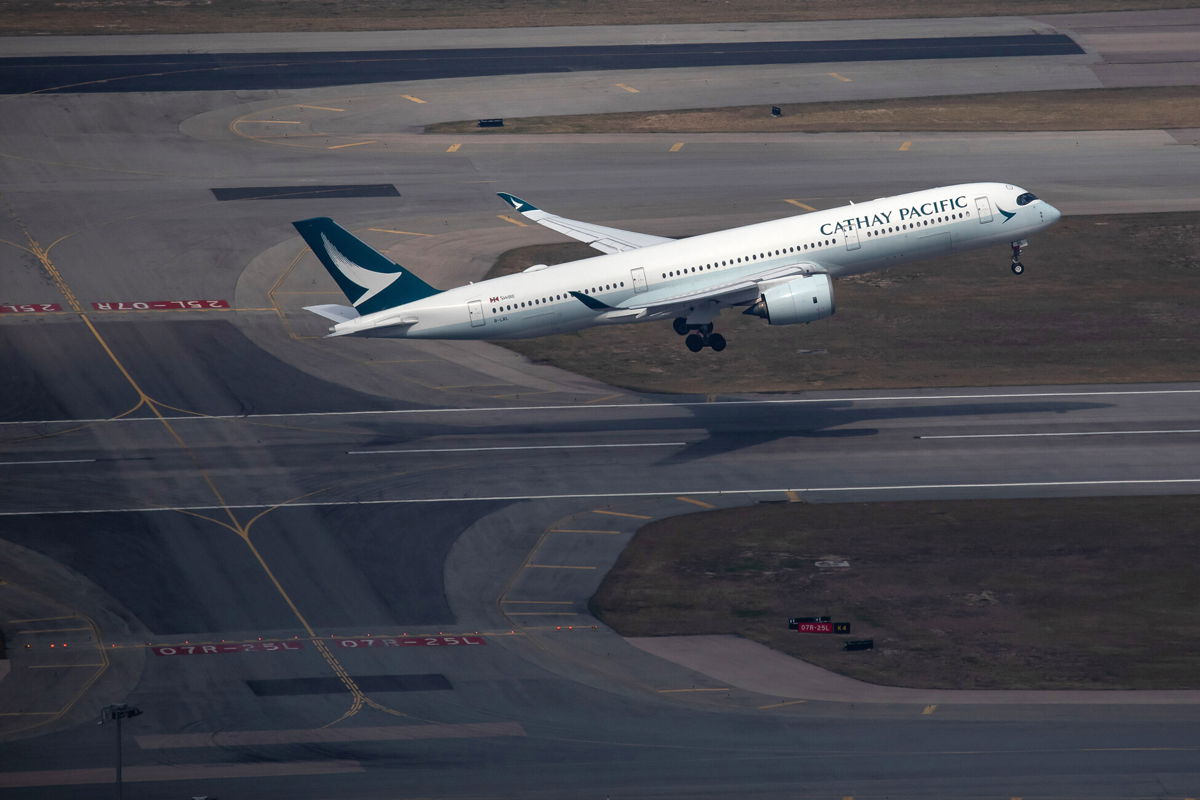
column 804, row 299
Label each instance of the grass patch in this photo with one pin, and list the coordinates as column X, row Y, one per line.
column 1095, row 593
column 1105, row 299
column 1136, row 108
column 250, row 16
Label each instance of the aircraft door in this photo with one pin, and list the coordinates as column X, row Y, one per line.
column 983, row 209
column 638, row 276
column 475, row 309
column 852, row 240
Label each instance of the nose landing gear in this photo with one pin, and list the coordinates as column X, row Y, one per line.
column 1017, row 267
column 698, row 336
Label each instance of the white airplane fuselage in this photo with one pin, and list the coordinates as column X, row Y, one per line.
column 837, row 242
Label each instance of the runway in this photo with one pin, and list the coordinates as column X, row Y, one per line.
column 361, row 568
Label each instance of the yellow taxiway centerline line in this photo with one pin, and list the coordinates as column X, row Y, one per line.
column 798, row 204
column 351, row 144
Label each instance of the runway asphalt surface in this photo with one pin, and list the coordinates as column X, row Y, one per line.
column 368, row 562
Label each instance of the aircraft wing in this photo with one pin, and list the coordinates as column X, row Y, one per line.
column 606, row 240
column 742, row 288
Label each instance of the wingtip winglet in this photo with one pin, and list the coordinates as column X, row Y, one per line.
column 516, row 202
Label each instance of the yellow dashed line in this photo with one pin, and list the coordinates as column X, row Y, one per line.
column 905, row 146
column 794, row 496
column 841, row 78
column 619, row 514
column 555, row 566
column 629, row 89
column 694, row 502
column 929, row 710
column 413, row 99
column 399, row 233
column 352, row 144
column 454, row 147
column 581, row 530
column 781, row 705
column 516, row 222
column 675, row 148
column 798, row 204
column 320, row 108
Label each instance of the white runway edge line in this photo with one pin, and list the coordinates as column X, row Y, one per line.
column 517, row 447
column 1059, row 433
column 686, row 404
column 610, row 495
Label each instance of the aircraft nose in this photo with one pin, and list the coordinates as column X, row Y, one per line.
column 1051, row 214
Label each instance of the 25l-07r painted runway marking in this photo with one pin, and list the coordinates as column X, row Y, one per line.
column 518, row 447
column 1057, row 433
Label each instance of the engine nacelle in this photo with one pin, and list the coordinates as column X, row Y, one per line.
column 805, row 299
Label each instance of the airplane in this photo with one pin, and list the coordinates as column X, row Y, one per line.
column 781, row 270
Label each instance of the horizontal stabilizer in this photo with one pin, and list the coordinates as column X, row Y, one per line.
column 334, row 312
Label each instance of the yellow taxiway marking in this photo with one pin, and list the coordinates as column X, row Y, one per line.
column 700, row 503
column 413, row 99
column 905, row 146
column 555, row 566
column 516, row 222
column 41, row 619
column 680, row 691
column 675, row 148
column 542, row 613
column 53, row 630
column 274, row 121
column 601, row 399
column 619, row 514
column 781, row 705
column 841, row 78
column 399, row 233
column 798, row 204
column 583, row 530
column 793, row 496
column 542, row 602
column 929, row 710
column 629, row 89
column 62, row 666
column 351, row 144
column 320, row 108
column 454, row 147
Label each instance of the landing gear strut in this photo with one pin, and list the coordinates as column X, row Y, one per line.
column 698, row 336
column 1017, row 266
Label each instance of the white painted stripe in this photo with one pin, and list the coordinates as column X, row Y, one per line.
column 685, row 404
column 59, row 461
column 1061, row 433
column 523, row 447
column 604, row 495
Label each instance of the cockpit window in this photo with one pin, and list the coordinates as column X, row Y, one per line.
column 1026, row 199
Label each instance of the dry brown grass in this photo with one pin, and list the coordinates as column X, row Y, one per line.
column 1081, row 109
column 1068, row 593
column 242, row 16
column 1104, row 299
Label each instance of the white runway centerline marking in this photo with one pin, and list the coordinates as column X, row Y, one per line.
column 1061, row 433
column 517, row 447
column 58, row 461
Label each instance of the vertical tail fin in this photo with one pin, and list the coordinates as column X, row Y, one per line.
column 369, row 280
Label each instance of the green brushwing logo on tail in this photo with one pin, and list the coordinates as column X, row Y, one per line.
column 369, row 280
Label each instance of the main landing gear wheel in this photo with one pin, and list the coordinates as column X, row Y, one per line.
column 717, row 342
column 680, row 325
column 694, row 342
column 1017, row 267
